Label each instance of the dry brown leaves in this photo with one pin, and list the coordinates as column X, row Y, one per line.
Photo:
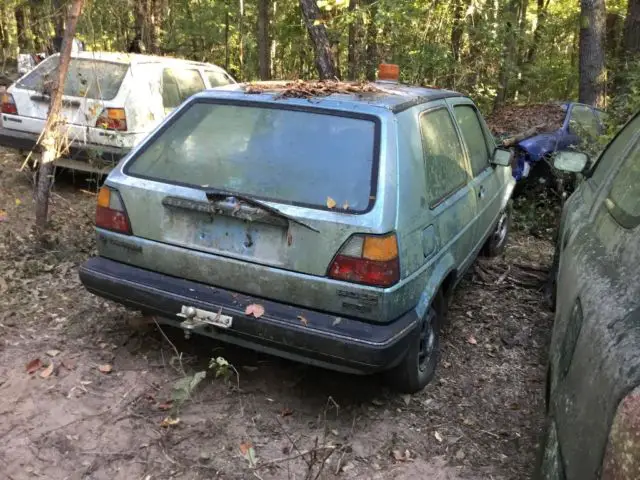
column 310, row 89
column 514, row 119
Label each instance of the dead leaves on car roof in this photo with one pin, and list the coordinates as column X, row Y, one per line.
column 310, row 89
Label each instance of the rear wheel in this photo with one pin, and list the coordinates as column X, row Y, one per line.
column 418, row 367
column 497, row 241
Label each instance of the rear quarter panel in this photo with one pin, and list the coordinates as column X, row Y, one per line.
column 425, row 264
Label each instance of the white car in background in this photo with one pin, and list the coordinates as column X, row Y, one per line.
column 111, row 101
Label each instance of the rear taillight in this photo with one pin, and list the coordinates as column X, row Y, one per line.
column 8, row 104
column 112, row 119
column 110, row 212
column 368, row 259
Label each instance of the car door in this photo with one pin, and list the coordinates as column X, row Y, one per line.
column 594, row 357
column 485, row 182
column 583, row 127
column 449, row 196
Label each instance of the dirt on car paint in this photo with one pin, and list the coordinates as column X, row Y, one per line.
column 73, row 417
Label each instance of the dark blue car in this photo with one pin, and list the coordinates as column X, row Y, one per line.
column 582, row 123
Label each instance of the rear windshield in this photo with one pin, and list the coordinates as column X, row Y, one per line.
column 88, row 78
column 278, row 154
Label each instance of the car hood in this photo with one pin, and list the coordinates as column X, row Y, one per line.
column 540, row 145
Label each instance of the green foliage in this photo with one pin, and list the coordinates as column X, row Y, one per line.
column 419, row 35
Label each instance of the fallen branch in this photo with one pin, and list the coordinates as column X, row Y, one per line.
column 302, row 453
column 511, row 141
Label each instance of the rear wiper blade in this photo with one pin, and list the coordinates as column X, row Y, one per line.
column 215, row 195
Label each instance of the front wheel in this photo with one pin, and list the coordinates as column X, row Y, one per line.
column 418, row 367
column 497, row 241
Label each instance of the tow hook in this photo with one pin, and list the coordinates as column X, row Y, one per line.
column 197, row 320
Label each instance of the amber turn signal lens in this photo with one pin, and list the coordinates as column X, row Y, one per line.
column 104, row 197
column 389, row 71
column 380, row 248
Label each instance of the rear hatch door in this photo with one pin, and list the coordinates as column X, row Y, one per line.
column 89, row 86
column 266, row 184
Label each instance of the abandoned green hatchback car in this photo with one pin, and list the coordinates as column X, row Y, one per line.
column 328, row 229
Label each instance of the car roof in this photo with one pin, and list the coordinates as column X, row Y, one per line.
column 388, row 95
column 137, row 58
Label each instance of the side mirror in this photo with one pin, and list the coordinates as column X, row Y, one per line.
column 573, row 162
column 501, row 157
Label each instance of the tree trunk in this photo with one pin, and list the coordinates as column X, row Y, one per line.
column 141, row 37
column 372, row 41
column 241, row 39
column 274, row 44
column 593, row 75
column 631, row 35
column 354, row 41
column 51, row 140
column 318, row 33
column 264, row 47
column 59, row 15
column 511, row 15
column 156, row 13
column 629, row 52
column 613, row 37
column 541, row 15
column 25, row 39
column 457, row 30
column 227, row 52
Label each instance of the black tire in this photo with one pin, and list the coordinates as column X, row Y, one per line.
column 497, row 241
column 418, row 367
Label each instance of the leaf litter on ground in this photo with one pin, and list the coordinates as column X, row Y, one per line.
column 33, row 366
column 515, row 119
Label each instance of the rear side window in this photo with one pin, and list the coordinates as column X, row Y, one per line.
column 473, row 136
column 217, row 79
column 178, row 85
column 284, row 155
column 624, row 198
column 445, row 166
column 615, row 150
column 87, row 77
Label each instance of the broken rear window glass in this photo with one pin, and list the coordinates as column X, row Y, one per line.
column 95, row 79
column 278, row 154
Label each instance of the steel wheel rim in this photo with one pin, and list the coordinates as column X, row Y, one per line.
column 501, row 230
column 427, row 341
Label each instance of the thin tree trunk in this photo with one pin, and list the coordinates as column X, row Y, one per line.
column 457, row 30
column 631, row 35
column 58, row 13
column 372, row 41
column 227, row 52
column 264, row 47
column 25, row 39
column 629, row 52
column 354, row 40
column 324, row 56
column 51, row 135
column 156, row 14
column 593, row 74
column 537, row 33
column 274, row 44
column 508, row 53
column 241, row 38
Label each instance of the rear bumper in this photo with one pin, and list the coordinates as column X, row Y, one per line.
column 82, row 153
column 325, row 340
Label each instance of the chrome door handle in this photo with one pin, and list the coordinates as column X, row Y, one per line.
column 482, row 192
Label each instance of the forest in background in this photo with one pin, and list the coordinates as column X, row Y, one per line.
column 497, row 51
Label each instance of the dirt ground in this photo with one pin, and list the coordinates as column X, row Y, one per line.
column 479, row 418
